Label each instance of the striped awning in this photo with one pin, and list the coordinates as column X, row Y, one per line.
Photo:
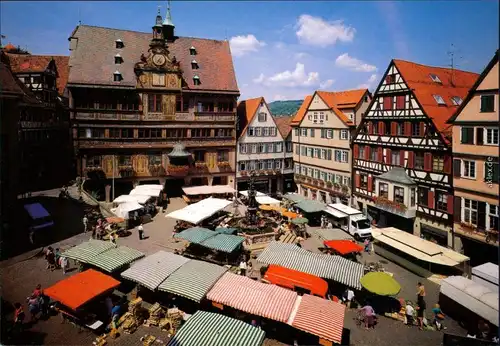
column 330, row 267
column 253, row 297
column 88, row 250
column 116, row 258
column 193, row 280
column 195, row 234
column 151, row 271
column 332, row 234
column 224, row 230
column 223, row 242
column 208, row 328
column 320, row 317
column 311, row 206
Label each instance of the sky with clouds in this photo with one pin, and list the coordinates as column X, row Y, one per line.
column 286, row 50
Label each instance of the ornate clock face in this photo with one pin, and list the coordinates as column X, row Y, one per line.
column 159, row 60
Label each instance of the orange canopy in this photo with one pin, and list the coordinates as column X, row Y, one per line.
column 290, row 215
column 343, row 247
column 80, row 288
column 115, row 219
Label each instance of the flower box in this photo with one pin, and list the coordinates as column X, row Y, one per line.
column 200, row 165
column 223, row 164
column 178, row 171
column 468, row 227
column 244, row 173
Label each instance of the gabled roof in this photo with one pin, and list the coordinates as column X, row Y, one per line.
column 284, row 125
column 397, row 175
column 472, row 91
column 336, row 101
column 302, row 110
column 39, row 63
column 454, row 83
column 246, row 112
column 11, row 85
column 92, row 61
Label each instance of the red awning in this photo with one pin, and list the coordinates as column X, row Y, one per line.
column 343, row 247
column 80, row 288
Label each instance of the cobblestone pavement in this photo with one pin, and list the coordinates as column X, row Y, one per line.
column 20, row 276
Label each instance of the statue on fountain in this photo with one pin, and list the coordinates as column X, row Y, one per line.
column 252, row 202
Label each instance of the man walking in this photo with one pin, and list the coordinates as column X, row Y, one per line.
column 243, row 267
column 140, row 229
column 85, row 223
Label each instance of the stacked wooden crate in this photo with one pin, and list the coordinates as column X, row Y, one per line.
column 156, row 313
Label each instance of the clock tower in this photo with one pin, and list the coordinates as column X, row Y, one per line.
column 158, row 39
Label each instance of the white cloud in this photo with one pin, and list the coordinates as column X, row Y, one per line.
column 279, row 45
column 326, row 84
column 353, row 64
column 370, row 83
column 241, row 45
column 318, row 32
column 295, row 78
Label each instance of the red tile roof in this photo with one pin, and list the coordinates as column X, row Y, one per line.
column 92, row 60
column 302, row 111
column 337, row 101
column 11, row 85
column 284, row 125
column 454, row 83
column 39, row 63
column 246, row 111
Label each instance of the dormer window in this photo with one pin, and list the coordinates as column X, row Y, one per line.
column 435, row 78
column 456, row 100
column 196, row 80
column 439, row 100
column 117, row 76
column 118, row 59
column 192, row 51
column 194, row 65
column 119, row 44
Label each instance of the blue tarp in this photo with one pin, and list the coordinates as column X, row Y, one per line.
column 36, row 211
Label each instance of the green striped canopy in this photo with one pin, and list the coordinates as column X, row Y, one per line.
column 195, row 234
column 88, row 250
column 115, row 258
column 211, row 329
column 310, row 206
column 224, row 230
column 223, row 242
column 193, row 280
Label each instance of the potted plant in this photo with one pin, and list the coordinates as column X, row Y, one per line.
column 336, row 186
column 329, row 184
column 344, row 188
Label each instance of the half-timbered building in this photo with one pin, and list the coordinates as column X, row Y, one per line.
column 134, row 96
column 402, row 169
column 45, row 132
column 475, row 167
column 322, row 130
column 262, row 147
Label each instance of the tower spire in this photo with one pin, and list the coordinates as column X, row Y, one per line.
column 168, row 16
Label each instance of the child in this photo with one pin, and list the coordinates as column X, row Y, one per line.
column 409, row 312
column 438, row 317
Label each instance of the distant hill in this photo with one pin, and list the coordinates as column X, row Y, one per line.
column 291, row 107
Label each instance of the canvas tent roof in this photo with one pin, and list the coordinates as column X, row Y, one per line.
column 197, row 212
column 36, row 211
column 208, row 190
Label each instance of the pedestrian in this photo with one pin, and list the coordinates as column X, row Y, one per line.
column 115, row 315
column 113, row 238
column 409, row 313
column 330, row 225
column 243, row 268
column 33, row 307
column 57, row 257
column 64, row 263
column 44, row 303
column 85, row 221
column 93, row 232
column 348, row 297
column 420, row 313
column 19, row 317
column 367, row 245
column 438, row 317
column 37, row 292
column 51, row 258
column 109, row 305
column 369, row 315
column 140, row 229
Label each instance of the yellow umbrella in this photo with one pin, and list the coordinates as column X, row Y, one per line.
column 265, row 207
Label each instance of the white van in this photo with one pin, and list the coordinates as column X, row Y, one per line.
column 350, row 220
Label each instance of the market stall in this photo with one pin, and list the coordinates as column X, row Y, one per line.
column 88, row 250
column 486, row 275
column 380, row 283
column 207, row 328
column 194, row 194
column 123, row 210
column 198, row 212
column 312, row 209
column 343, row 247
column 468, row 301
column 335, row 268
column 152, row 270
column 75, row 292
column 427, row 257
column 142, row 199
column 253, row 297
column 294, row 197
column 115, row 259
column 320, row 317
column 193, row 280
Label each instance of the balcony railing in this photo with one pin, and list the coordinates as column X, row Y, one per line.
column 113, row 115
column 214, row 116
column 177, row 171
column 394, row 207
column 335, row 189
